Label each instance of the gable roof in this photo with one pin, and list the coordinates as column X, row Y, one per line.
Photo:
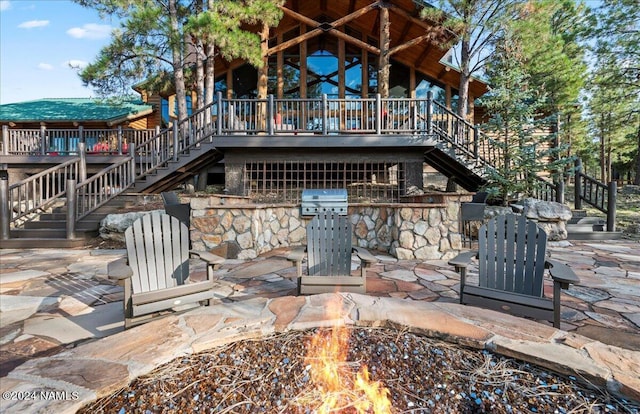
column 73, row 110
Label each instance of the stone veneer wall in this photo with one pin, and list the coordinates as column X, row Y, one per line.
column 405, row 230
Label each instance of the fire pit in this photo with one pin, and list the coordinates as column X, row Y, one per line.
column 353, row 370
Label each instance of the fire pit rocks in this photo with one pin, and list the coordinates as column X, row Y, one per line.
column 432, row 357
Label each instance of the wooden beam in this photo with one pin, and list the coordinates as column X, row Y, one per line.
column 341, row 68
column 320, row 28
column 423, row 55
column 279, row 69
column 303, row 64
column 410, row 43
column 443, row 71
column 403, row 13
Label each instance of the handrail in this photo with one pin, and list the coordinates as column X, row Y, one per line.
column 45, row 141
column 597, row 194
column 41, row 190
column 103, row 186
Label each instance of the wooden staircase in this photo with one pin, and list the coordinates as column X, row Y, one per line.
column 48, row 229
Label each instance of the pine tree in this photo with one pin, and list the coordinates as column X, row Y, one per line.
column 515, row 123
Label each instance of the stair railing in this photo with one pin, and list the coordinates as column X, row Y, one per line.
column 169, row 144
column 597, row 194
column 39, row 191
column 463, row 137
column 103, row 186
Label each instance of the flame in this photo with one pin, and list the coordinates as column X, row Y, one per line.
column 334, row 381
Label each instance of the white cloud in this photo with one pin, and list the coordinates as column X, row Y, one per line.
column 90, row 31
column 33, row 24
column 75, row 64
column 45, row 66
column 5, row 5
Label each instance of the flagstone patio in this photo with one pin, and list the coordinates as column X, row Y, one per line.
column 61, row 318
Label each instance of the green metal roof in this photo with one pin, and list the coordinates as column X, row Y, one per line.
column 72, row 109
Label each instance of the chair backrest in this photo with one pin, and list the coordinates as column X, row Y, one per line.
column 158, row 250
column 169, row 198
column 511, row 255
column 329, row 245
column 480, row 197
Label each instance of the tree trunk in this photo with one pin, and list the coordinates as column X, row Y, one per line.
column 636, row 180
column 463, row 87
column 385, row 41
column 210, row 75
column 200, row 87
column 602, row 152
column 177, row 60
column 263, row 77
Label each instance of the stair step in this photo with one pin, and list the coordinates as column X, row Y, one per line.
column 40, row 243
column 50, row 233
column 594, row 235
column 83, row 225
column 63, row 217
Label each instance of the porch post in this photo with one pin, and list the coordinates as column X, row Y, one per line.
column 611, row 206
column 429, row 113
column 560, row 191
column 71, row 209
column 80, row 136
column 4, row 205
column 385, row 40
column 83, row 162
column 219, row 118
column 325, row 116
column 577, row 201
column 270, row 114
column 43, row 140
column 132, row 167
column 379, row 111
column 175, row 140
column 5, row 140
column 119, row 139
column 476, row 137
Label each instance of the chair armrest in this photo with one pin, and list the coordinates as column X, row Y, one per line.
column 210, row 258
column 119, row 269
column 297, row 254
column 561, row 273
column 463, row 260
column 364, row 255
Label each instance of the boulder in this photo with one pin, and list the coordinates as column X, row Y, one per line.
column 540, row 210
column 113, row 226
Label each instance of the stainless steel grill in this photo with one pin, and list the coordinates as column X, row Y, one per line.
column 315, row 201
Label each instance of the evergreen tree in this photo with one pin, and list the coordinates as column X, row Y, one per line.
column 515, row 123
column 614, row 85
column 549, row 32
column 171, row 44
column 477, row 25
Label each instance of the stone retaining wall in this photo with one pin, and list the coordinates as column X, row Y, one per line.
column 405, row 230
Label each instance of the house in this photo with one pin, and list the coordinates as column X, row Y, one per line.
column 70, row 113
column 358, row 96
column 347, row 52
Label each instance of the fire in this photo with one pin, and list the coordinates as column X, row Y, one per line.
column 335, row 383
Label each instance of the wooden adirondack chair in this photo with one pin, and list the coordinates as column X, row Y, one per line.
column 156, row 273
column 173, row 207
column 511, row 263
column 328, row 254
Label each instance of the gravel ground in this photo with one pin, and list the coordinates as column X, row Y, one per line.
column 422, row 375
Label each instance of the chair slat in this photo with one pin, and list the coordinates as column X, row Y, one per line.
column 510, row 254
column 521, row 250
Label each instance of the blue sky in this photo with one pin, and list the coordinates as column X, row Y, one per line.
column 40, row 40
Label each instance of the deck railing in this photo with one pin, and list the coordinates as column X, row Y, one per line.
column 46, row 141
